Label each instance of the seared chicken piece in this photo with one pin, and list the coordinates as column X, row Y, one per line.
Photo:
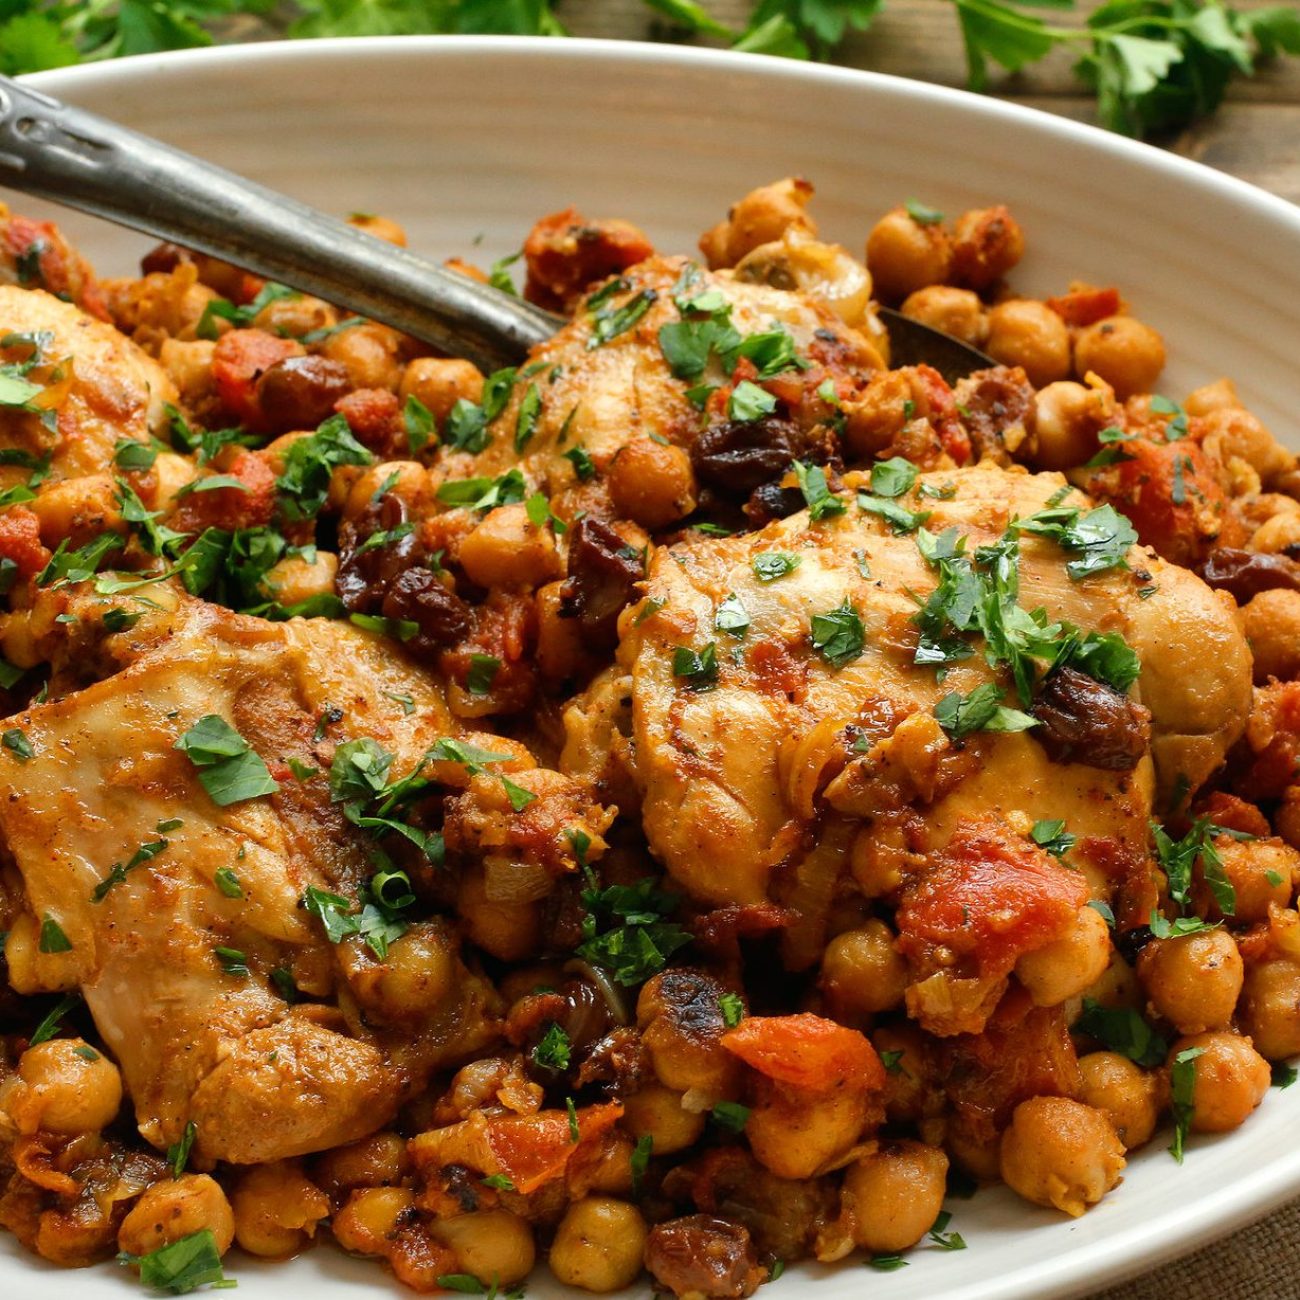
column 103, row 387
column 766, row 767
column 177, row 957
column 578, row 392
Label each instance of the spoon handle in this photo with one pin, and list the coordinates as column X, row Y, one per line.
column 57, row 152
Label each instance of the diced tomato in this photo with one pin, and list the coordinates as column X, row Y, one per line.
column 1171, row 494
column 1085, row 306
column 20, row 541
column 53, row 264
column 375, row 416
column 567, row 255
column 989, row 896
column 231, row 507
column 1233, row 814
column 533, row 1149
column 806, row 1051
column 238, row 361
column 943, row 414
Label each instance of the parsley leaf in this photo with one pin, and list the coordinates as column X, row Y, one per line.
column 626, row 930
column 822, row 502
column 982, row 710
column 698, row 669
column 1100, row 537
column 309, row 463
column 732, row 617
column 768, row 566
column 229, row 770
column 1182, row 1089
column 180, row 1266
column 1122, row 1030
column 838, row 635
column 553, row 1051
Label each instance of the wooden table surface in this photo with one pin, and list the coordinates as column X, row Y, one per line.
column 1255, row 135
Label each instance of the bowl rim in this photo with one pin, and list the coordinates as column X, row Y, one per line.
column 1129, row 1248
column 638, row 53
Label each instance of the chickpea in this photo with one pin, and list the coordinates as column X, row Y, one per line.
column 489, row 1243
column 1068, row 417
column 1271, row 621
column 506, row 549
column 863, row 972
column 190, row 366
column 651, row 484
column 1270, row 1008
column 510, row 931
column 904, row 255
column 411, row 485
column 1238, row 433
column 441, row 382
column 1277, row 534
column 562, row 651
column 1126, row 1094
column 1287, row 817
column 1262, row 874
column 974, row 1149
column 986, row 244
column 599, row 1244
column 176, row 1208
column 66, row 1086
column 1067, row 966
column 30, row 970
column 958, row 312
column 1117, row 985
column 825, row 272
column 296, row 579
column 1193, row 980
column 384, row 228
column 276, row 1209
column 658, row 1112
column 370, row 353
column 1061, row 1153
column 412, row 981
column 1218, row 396
column 894, row 1194
column 1231, row 1080
column 295, row 316
column 368, row 1222
column 171, row 473
column 907, row 1090
column 1031, row 335
column 761, row 217
column 1123, row 351
column 377, row 1161
column 796, row 1133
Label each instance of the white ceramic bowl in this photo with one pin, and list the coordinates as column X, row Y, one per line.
column 467, row 141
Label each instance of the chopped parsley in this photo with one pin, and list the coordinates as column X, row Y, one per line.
column 608, row 322
column 922, row 215
column 526, row 419
column 749, row 402
column 1122, row 1030
column 982, row 710
column 768, row 566
column 732, row 1006
column 16, row 742
column 626, row 930
column 228, row 883
column 941, row 1237
column 893, row 477
column 419, row 424
column 178, row 1153
column 583, row 465
column 822, row 502
column 732, row 617
column 1052, row 836
column 309, row 463
column 233, row 961
column 229, row 769
column 1178, row 859
column 730, row 1115
column 1182, row 1091
column 1099, row 538
column 1176, row 428
column 838, row 635
column 181, row 1266
column 899, row 518
column 117, row 873
column 1112, row 451
column 640, row 1161
column 554, row 1050
column 698, row 669
column 52, row 939
column 482, row 673
column 52, row 1022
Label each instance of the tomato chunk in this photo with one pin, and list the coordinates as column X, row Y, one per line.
column 20, row 541
column 806, row 1051
column 1082, row 307
column 533, row 1149
column 989, row 897
column 238, row 361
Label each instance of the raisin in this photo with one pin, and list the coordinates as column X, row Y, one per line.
column 603, row 575
column 300, row 392
column 1085, row 721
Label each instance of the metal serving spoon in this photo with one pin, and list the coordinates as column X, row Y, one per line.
column 85, row 161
